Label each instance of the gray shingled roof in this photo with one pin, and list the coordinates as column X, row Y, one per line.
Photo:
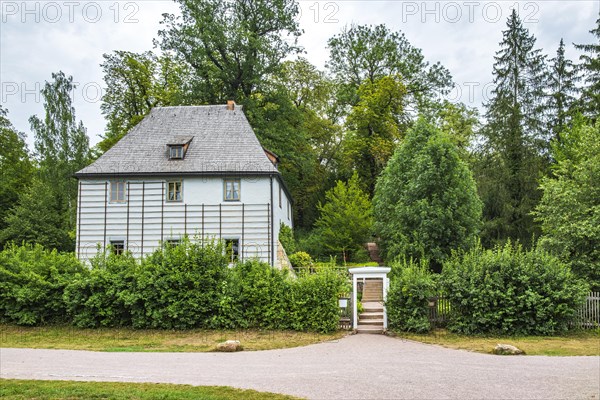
column 223, row 142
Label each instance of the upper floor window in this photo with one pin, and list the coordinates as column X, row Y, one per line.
column 117, row 192
column 175, row 152
column 279, row 196
column 178, row 146
column 175, row 191
column 231, row 189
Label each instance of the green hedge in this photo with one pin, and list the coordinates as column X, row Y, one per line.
column 177, row 287
column 411, row 287
column 511, row 291
column 32, row 281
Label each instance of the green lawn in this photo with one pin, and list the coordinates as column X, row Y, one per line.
column 124, row 339
column 29, row 389
column 579, row 343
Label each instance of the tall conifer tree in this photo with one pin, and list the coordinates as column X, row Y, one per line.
column 515, row 137
column 562, row 85
column 590, row 69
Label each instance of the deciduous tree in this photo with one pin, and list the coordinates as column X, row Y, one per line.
column 426, row 202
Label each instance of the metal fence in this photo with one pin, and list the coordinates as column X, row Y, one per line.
column 588, row 315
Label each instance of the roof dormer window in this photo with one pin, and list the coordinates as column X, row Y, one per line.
column 178, row 146
column 176, row 152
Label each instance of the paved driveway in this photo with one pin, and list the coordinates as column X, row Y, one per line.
column 356, row 367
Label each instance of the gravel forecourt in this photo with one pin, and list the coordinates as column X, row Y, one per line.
column 355, row 367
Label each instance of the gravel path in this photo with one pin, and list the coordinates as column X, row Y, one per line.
column 355, row 367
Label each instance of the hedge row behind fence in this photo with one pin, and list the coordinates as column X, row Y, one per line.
column 506, row 291
column 177, row 287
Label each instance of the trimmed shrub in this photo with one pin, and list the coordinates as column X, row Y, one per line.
column 314, row 301
column 32, row 281
column 254, row 296
column 103, row 296
column 301, row 261
column 511, row 291
column 179, row 286
column 411, row 287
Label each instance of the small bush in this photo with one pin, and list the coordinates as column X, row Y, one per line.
column 511, row 291
column 301, row 261
column 411, row 287
column 32, row 281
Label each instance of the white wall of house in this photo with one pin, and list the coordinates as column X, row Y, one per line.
column 146, row 217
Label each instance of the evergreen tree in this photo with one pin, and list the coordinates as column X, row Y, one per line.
column 562, row 79
column 426, row 203
column 590, row 69
column 346, row 217
column 513, row 156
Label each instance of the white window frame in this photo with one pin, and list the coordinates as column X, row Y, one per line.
column 233, row 191
column 119, row 185
column 175, row 183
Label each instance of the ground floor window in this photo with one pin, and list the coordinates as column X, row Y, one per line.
column 232, row 250
column 172, row 242
column 117, row 246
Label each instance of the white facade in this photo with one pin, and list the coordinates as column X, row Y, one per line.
column 143, row 216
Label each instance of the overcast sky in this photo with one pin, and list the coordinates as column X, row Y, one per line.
column 41, row 37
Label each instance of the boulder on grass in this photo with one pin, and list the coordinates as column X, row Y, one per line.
column 230, row 346
column 507, row 350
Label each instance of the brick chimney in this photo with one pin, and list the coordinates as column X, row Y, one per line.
column 230, row 105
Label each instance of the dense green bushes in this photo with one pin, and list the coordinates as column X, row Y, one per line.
column 510, row 291
column 412, row 285
column 32, row 281
column 177, row 287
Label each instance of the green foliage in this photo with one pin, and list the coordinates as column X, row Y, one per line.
column 286, row 237
column 254, row 297
column 411, row 287
column 314, row 301
column 570, row 207
column 189, row 285
column 135, row 83
column 364, row 52
column 102, row 296
column 590, row 67
column 346, row 218
column 301, row 261
column 511, row 291
column 38, row 218
column 374, row 127
column 425, row 202
column 32, row 281
column 230, row 46
column 511, row 159
column 178, row 287
column 16, row 169
column 62, row 147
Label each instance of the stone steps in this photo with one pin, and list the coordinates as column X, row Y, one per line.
column 369, row 329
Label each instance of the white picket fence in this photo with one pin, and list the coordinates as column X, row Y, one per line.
column 588, row 315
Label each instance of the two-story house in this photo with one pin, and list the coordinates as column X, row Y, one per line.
column 198, row 171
